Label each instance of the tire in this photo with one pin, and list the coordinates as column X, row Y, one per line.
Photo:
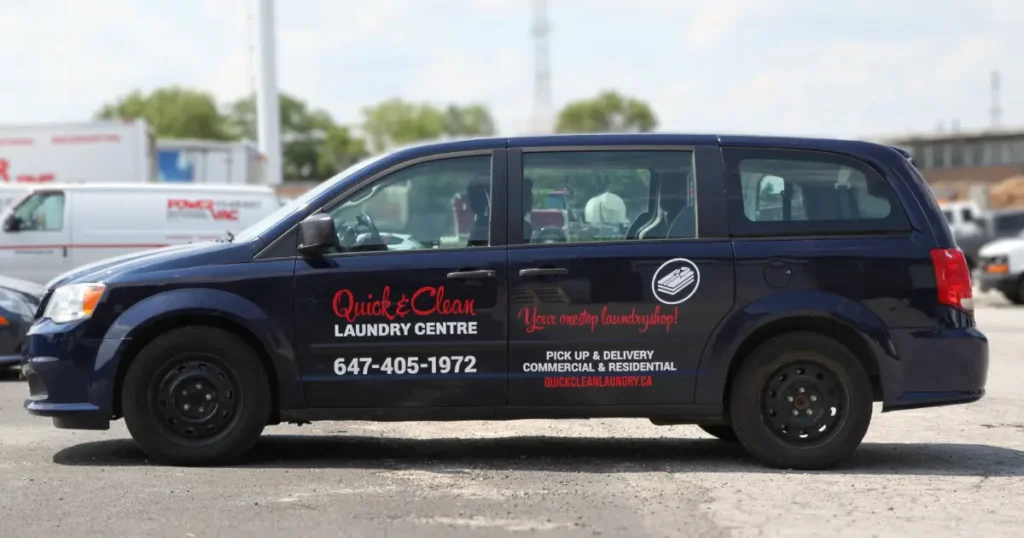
column 808, row 368
column 722, row 433
column 182, row 370
column 1014, row 297
column 1018, row 293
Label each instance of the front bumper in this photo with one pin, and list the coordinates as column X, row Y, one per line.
column 1003, row 282
column 59, row 367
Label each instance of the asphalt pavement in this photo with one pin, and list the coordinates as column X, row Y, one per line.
column 953, row 471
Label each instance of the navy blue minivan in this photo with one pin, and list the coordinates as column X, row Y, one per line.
column 768, row 290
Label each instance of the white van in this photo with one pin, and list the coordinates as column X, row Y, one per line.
column 58, row 227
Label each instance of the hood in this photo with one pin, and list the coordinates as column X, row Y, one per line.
column 1002, row 247
column 108, row 267
column 23, row 287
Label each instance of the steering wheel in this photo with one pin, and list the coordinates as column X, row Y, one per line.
column 346, row 237
column 365, row 221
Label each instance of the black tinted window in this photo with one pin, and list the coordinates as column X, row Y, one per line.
column 804, row 192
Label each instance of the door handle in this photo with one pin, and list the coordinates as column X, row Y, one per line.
column 544, row 271
column 471, row 275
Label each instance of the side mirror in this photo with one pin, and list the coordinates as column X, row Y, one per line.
column 317, row 234
column 11, row 224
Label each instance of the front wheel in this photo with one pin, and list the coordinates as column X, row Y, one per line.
column 801, row 401
column 196, row 396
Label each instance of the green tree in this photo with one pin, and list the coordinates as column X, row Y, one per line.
column 173, row 112
column 397, row 122
column 313, row 146
column 339, row 150
column 608, row 112
column 469, row 120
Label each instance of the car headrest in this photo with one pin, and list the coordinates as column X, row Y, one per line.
column 476, row 193
column 674, row 191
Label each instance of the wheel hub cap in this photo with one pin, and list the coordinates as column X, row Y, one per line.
column 195, row 398
column 803, row 403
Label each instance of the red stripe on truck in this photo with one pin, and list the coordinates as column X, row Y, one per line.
column 83, row 245
column 85, row 139
column 17, row 142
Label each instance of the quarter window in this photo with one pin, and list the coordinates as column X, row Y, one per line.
column 41, row 212
column 437, row 204
column 801, row 192
column 588, row 196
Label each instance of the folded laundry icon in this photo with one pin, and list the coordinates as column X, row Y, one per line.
column 675, row 281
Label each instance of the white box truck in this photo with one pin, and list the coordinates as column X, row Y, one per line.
column 209, row 161
column 103, row 151
column 56, row 228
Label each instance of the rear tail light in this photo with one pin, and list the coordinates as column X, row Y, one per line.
column 952, row 278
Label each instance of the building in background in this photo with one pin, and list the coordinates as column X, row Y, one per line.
column 210, row 161
column 954, row 163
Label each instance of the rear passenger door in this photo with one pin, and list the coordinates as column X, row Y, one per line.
column 619, row 268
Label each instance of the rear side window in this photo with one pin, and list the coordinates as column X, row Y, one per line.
column 592, row 196
column 792, row 192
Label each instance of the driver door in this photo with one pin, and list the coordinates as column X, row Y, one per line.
column 424, row 323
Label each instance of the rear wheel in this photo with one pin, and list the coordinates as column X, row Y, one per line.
column 196, row 396
column 801, row 401
column 723, row 433
column 1017, row 295
column 1014, row 296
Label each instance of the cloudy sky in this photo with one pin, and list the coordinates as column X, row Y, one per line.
column 763, row 66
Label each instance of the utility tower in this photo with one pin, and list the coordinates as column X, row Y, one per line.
column 268, row 111
column 542, row 121
column 997, row 110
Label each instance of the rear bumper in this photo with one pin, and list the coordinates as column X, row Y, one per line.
column 935, row 367
column 58, row 366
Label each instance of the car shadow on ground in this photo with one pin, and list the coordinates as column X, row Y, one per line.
column 8, row 373
column 568, row 454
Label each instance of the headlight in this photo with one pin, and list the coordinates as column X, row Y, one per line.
column 74, row 301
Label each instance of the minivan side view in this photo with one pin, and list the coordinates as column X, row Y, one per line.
column 769, row 290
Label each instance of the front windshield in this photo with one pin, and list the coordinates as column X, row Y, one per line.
column 259, row 227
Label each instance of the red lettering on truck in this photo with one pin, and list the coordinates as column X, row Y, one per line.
column 5, row 175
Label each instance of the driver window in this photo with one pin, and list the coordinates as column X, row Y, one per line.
column 41, row 212
column 437, row 204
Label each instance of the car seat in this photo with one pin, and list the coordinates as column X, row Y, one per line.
column 527, row 209
column 672, row 197
column 643, row 219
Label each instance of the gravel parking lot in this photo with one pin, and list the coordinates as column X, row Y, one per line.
column 941, row 472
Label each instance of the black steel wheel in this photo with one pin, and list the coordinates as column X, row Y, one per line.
column 801, row 401
column 196, row 396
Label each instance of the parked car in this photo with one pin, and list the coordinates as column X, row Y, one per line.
column 56, row 228
column 973, row 228
column 19, row 300
column 767, row 289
